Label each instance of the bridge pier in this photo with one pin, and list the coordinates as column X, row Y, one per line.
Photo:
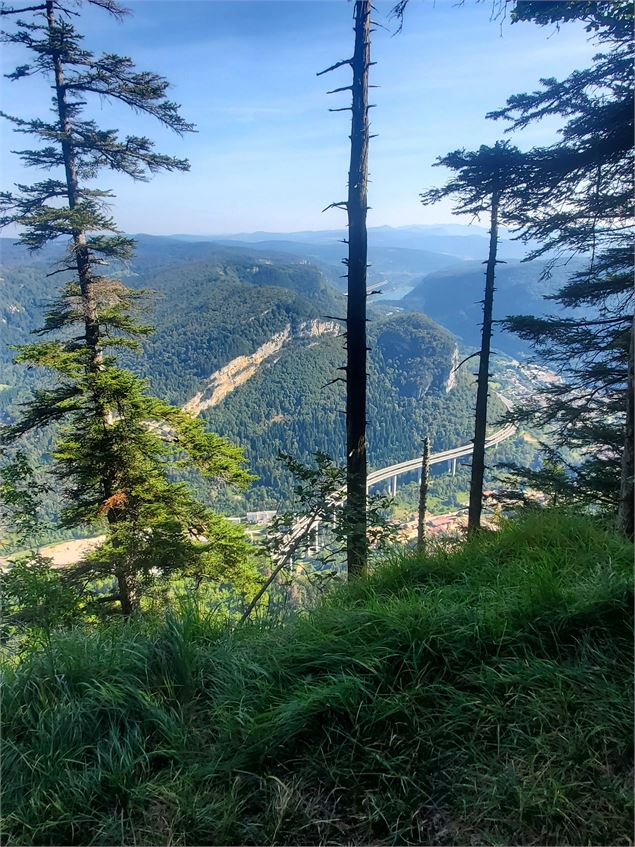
column 454, row 467
column 393, row 486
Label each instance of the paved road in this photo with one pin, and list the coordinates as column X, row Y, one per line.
column 457, row 452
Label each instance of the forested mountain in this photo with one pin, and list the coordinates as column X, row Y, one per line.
column 286, row 404
column 393, row 269
column 452, row 297
column 249, row 338
column 398, row 256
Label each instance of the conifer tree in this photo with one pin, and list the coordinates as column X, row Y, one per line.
column 484, row 181
column 116, row 446
column 578, row 199
column 356, row 206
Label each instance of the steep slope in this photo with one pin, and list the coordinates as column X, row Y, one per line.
column 239, row 370
column 292, row 404
column 479, row 695
column 452, row 297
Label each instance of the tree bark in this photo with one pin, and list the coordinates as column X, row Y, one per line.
column 125, row 597
column 625, row 510
column 85, row 277
column 423, row 495
column 72, row 185
column 356, row 344
column 480, row 419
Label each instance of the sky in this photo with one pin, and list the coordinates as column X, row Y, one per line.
column 267, row 154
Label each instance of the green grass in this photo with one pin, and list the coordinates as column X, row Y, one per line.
column 478, row 696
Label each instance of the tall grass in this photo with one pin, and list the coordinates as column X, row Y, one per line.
column 477, row 695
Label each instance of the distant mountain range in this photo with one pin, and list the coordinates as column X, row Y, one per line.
column 453, row 297
column 399, row 257
column 433, row 269
column 456, row 240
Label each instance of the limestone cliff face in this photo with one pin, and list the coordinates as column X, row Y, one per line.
column 235, row 373
column 315, row 328
column 451, row 380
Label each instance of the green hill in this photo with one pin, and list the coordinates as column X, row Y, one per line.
column 479, row 695
column 453, row 296
column 253, row 335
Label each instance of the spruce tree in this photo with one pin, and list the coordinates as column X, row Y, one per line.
column 117, row 447
column 484, row 182
column 578, row 199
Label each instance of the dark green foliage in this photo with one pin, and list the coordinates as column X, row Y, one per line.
column 318, row 494
column 473, row 695
column 20, row 495
column 115, row 447
column 578, row 199
column 36, row 601
column 476, row 175
column 285, row 404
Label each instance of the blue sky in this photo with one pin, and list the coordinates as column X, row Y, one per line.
column 268, row 155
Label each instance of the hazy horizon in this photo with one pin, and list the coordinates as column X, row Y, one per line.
column 268, row 155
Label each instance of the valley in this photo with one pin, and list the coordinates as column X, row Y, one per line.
column 317, row 536
column 247, row 336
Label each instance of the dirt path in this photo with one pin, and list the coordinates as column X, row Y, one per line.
column 65, row 552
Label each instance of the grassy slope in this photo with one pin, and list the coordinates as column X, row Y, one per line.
column 477, row 696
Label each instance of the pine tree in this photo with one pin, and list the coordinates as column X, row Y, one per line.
column 484, row 181
column 578, row 199
column 117, row 447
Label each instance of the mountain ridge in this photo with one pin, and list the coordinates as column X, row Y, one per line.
column 215, row 318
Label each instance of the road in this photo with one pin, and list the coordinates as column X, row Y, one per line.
column 70, row 551
column 302, row 525
column 455, row 453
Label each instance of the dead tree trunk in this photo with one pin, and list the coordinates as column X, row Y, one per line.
column 356, row 205
column 625, row 511
column 423, row 495
column 356, row 344
column 480, row 420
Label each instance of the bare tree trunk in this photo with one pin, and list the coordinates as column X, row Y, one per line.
column 356, row 344
column 480, row 421
column 423, row 495
column 625, row 511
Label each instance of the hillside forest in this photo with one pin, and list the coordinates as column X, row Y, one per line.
column 349, row 511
